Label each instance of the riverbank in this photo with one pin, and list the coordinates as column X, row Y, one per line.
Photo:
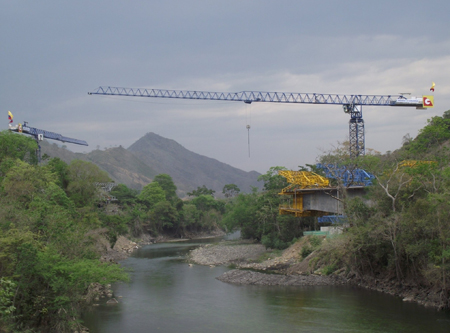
column 168, row 294
column 254, row 265
column 124, row 246
column 254, row 262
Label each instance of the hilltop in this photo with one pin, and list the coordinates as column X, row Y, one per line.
column 188, row 169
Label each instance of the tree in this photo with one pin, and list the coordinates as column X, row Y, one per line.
column 190, row 218
column 61, row 169
column 151, row 194
column 50, row 286
column 165, row 216
column 272, row 180
column 17, row 146
column 435, row 133
column 201, row 191
column 241, row 215
column 230, row 190
column 205, row 203
column 24, row 182
column 82, row 178
column 124, row 195
column 167, row 184
column 14, row 146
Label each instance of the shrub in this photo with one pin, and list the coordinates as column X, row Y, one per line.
column 306, row 251
column 315, row 241
column 327, row 270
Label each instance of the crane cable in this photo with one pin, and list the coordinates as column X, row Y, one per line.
column 248, row 121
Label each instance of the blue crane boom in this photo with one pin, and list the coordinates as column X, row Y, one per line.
column 352, row 104
column 40, row 135
column 36, row 132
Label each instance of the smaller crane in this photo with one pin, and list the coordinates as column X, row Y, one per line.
column 40, row 135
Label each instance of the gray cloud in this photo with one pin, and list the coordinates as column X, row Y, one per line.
column 54, row 53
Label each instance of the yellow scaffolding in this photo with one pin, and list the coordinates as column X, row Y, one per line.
column 300, row 180
column 303, row 179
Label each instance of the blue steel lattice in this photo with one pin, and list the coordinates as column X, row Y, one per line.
column 334, row 219
column 348, row 176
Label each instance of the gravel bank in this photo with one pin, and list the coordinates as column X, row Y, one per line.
column 226, row 253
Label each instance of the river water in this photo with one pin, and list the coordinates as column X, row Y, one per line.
column 165, row 294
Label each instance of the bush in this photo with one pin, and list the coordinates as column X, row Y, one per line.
column 273, row 242
column 327, row 270
column 315, row 241
column 306, row 251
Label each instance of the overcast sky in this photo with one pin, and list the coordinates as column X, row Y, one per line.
column 54, row 52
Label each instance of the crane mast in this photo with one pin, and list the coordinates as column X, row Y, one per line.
column 352, row 104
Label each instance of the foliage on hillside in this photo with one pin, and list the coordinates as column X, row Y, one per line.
column 402, row 230
column 399, row 232
column 48, row 256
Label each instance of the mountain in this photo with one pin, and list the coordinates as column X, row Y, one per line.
column 152, row 155
column 188, row 169
column 122, row 166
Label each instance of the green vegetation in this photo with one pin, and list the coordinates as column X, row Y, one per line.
column 314, row 243
column 201, row 191
column 256, row 214
column 53, row 216
column 401, row 230
column 230, row 190
column 48, row 256
column 54, row 221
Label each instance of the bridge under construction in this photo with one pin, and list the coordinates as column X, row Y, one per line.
column 312, row 194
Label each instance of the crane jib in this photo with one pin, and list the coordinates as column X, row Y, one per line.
column 260, row 96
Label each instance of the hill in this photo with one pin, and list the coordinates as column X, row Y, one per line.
column 152, row 155
column 123, row 167
column 188, row 169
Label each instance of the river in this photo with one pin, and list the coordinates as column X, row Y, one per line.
column 167, row 295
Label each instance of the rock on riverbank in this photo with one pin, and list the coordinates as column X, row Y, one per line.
column 247, row 256
column 237, row 276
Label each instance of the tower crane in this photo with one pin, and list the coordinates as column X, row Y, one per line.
column 352, row 104
column 40, row 134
